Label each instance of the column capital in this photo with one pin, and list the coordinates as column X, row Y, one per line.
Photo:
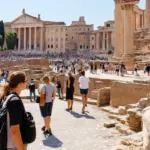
column 127, row 6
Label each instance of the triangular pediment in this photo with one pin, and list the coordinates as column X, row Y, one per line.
column 25, row 19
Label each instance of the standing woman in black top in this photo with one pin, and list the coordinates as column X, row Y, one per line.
column 70, row 91
column 15, row 110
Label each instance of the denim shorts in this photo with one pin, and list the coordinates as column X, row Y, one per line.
column 11, row 148
column 46, row 110
column 83, row 91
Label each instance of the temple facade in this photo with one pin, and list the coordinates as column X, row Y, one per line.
column 37, row 35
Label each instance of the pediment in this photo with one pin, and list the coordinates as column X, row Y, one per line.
column 25, row 19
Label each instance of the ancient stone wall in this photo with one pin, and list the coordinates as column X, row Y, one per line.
column 123, row 93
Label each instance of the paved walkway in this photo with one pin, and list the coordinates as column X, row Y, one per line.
column 74, row 131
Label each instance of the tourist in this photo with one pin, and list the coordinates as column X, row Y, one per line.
column 122, row 69
column 103, row 67
column 70, row 91
column 91, row 67
column 6, row 75
column 59, row 88
column 47, row 97
column 136, row 66
column 95, row 68
column 84, row 86
column 117, row 69
column 148, row 69
column 16, row 110
column 32, row 90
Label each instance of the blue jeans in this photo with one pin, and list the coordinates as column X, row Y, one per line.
column 11, row 149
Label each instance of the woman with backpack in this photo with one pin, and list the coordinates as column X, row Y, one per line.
column 47, row 97
column 13, row 139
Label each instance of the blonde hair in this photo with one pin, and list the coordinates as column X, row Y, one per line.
column 70, row 74
column 46, row 79
column 13, row 81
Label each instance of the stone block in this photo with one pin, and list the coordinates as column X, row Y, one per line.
column 124, row 93
column 122, row 110
column 103, row 96
column 110, row 124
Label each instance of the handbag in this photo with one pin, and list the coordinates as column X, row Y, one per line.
column 38, row 97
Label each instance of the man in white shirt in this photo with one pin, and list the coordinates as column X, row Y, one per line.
column 84, row 86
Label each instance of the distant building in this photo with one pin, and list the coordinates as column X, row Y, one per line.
column 73, row 31
column 35, row 34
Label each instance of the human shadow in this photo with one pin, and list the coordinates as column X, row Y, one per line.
column 77, row 115
column 52, row 141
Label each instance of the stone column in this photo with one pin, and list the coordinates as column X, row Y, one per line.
column 103, row 40
column 41, row 42
column 97, row 41
column 30, row 38
column 128, row 31
column 19, row 38
column 147, row 12
column 107, row 41
column 35, row 32
column 25, row 39
column 119, row 30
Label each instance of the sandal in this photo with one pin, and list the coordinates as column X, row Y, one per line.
column 48, row 132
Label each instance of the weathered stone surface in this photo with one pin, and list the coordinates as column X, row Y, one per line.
column 143, row 103
column 134, row 120
column 129, row 106
column 123, row 129
column 122, row 110
column 110, row 124
column 146, row 128
column 103, row 96
column 124, row 93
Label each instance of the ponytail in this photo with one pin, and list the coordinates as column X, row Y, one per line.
column 5, row 91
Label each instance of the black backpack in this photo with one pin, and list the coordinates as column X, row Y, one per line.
column 3, row 122
column 29, row 131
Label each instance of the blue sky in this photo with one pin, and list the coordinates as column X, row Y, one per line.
column 95, row 11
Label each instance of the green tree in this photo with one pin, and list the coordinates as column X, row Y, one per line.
column 1, row 41
column 2, row 32
column 11, row 40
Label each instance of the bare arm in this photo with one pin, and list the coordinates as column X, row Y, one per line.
column 42, row 98
column 16, row 136
column 68, row 83
column 54, row 94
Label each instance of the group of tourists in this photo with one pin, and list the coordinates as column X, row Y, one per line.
column 107, row 67
column 14, row 55
column 16, row 122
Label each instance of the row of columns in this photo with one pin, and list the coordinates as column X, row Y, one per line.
column 30, row 39
column 104, row 38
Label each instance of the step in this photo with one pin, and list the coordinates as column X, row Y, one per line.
column 110, row 110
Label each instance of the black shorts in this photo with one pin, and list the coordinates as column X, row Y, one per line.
column 83, row 91
column 46, row 110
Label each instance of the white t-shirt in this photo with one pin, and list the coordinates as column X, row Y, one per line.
column 84, row 82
